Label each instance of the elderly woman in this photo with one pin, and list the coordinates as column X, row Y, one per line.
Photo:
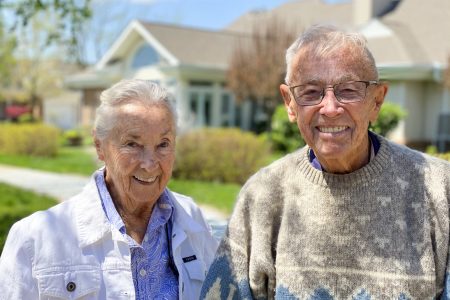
column 125, row 235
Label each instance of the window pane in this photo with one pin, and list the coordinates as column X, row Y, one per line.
column 145, row 56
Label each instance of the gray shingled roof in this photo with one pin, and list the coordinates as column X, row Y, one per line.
column 419, row 32
column 297, row 15
column 195, row 46
column 423, row 27
column 420, row 29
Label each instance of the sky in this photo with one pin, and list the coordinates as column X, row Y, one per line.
column 209, row 14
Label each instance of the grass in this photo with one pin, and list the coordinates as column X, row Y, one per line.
column 218, row 195
column 16, row 204
column 69, row 160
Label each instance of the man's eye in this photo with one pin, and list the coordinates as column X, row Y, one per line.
column 164, row 144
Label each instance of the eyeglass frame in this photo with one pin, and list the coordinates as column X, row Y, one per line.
column 367, row 82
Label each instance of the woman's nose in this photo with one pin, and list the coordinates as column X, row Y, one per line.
column 148, row 160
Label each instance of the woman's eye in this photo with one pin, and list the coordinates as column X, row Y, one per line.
column 132, row 144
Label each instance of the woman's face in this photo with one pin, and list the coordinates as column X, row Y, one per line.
column 138, row 153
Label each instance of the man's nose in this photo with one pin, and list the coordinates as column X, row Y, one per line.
column 331, row 107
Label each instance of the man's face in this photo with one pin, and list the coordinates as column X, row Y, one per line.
column 336, row 132
column 138, row 153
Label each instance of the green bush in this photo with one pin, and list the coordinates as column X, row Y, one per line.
column 16, row 204
column 29, row 139
column 432, row 150
column 285, row 136
column 389, row 117
column 73, row 137
column 219, row 154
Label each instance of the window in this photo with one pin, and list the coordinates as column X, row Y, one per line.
column 145, row 56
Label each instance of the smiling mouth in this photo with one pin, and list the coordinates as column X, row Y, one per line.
column 333, row 129
column 145, row 180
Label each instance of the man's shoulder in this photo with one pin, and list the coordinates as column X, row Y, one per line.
column 415, row 157
column 281, row 167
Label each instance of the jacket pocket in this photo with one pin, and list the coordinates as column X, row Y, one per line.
column 69, row 284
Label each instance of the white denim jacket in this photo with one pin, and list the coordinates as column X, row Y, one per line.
column 71, row 251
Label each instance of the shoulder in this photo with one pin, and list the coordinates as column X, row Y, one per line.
column 187, row 213
column 184, row 202
column 40, row 226
column 422, row 162
column 41, row 223
column 272, row 177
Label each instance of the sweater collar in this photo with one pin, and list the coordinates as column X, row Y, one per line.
column 372, row 170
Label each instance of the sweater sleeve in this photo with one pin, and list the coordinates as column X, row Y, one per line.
column 446, row 184
column 243, row 267
column 228, row 276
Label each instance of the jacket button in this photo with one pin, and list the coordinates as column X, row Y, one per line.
column 71, row 286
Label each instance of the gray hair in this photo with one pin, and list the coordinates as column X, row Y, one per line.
column 323, row 40
column 128, row 91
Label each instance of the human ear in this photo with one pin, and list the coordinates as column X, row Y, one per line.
column 98, row 147
column 288, row 104
column 378, row 98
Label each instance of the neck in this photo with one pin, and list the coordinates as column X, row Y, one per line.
column 345, row 165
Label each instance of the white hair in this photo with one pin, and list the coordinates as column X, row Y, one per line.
column 323, row 40
column 129, row 91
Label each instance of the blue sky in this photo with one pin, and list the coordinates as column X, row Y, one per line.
column 209, row 14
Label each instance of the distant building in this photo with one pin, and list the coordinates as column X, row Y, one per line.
column 408, row 39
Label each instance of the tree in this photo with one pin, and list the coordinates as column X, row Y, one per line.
column 7, row 60
column 257, row 66
column 67, row 17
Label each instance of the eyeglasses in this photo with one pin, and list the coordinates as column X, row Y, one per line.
column 345, row 92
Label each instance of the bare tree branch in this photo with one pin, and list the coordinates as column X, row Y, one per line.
column 257, row 66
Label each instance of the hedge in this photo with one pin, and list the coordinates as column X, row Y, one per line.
column 219, row 154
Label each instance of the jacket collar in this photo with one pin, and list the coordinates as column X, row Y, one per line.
column 91, row 221
column 181, row 218
column 92, row 224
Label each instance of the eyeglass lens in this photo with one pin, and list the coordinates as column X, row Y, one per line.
column 344, row 92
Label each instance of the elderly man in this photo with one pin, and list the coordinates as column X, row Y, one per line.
column 349, row 216
column 126, row 235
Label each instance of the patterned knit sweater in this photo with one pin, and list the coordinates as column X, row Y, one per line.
column 381, row 232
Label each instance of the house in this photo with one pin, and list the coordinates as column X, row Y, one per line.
column 407, row 37
column 190, row 63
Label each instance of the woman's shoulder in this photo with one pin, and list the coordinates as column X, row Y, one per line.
column 184, row 206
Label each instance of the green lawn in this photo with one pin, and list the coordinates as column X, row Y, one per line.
column 218, row 195
column 69, row 160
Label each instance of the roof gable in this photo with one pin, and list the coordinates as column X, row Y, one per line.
column 134, row 33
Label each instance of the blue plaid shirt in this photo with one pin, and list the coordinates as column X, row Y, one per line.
column 153, row 276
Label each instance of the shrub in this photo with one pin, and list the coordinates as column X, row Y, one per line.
column 432, row 150
column 389, row 117
column 219, row 154
column 73, row 137
column 16, row 204
column 285, row 136
column 29, row 139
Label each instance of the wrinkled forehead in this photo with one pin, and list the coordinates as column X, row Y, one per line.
column 135, row 114
column 330, row 65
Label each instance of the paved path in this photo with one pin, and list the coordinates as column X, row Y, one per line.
column 63, row 186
